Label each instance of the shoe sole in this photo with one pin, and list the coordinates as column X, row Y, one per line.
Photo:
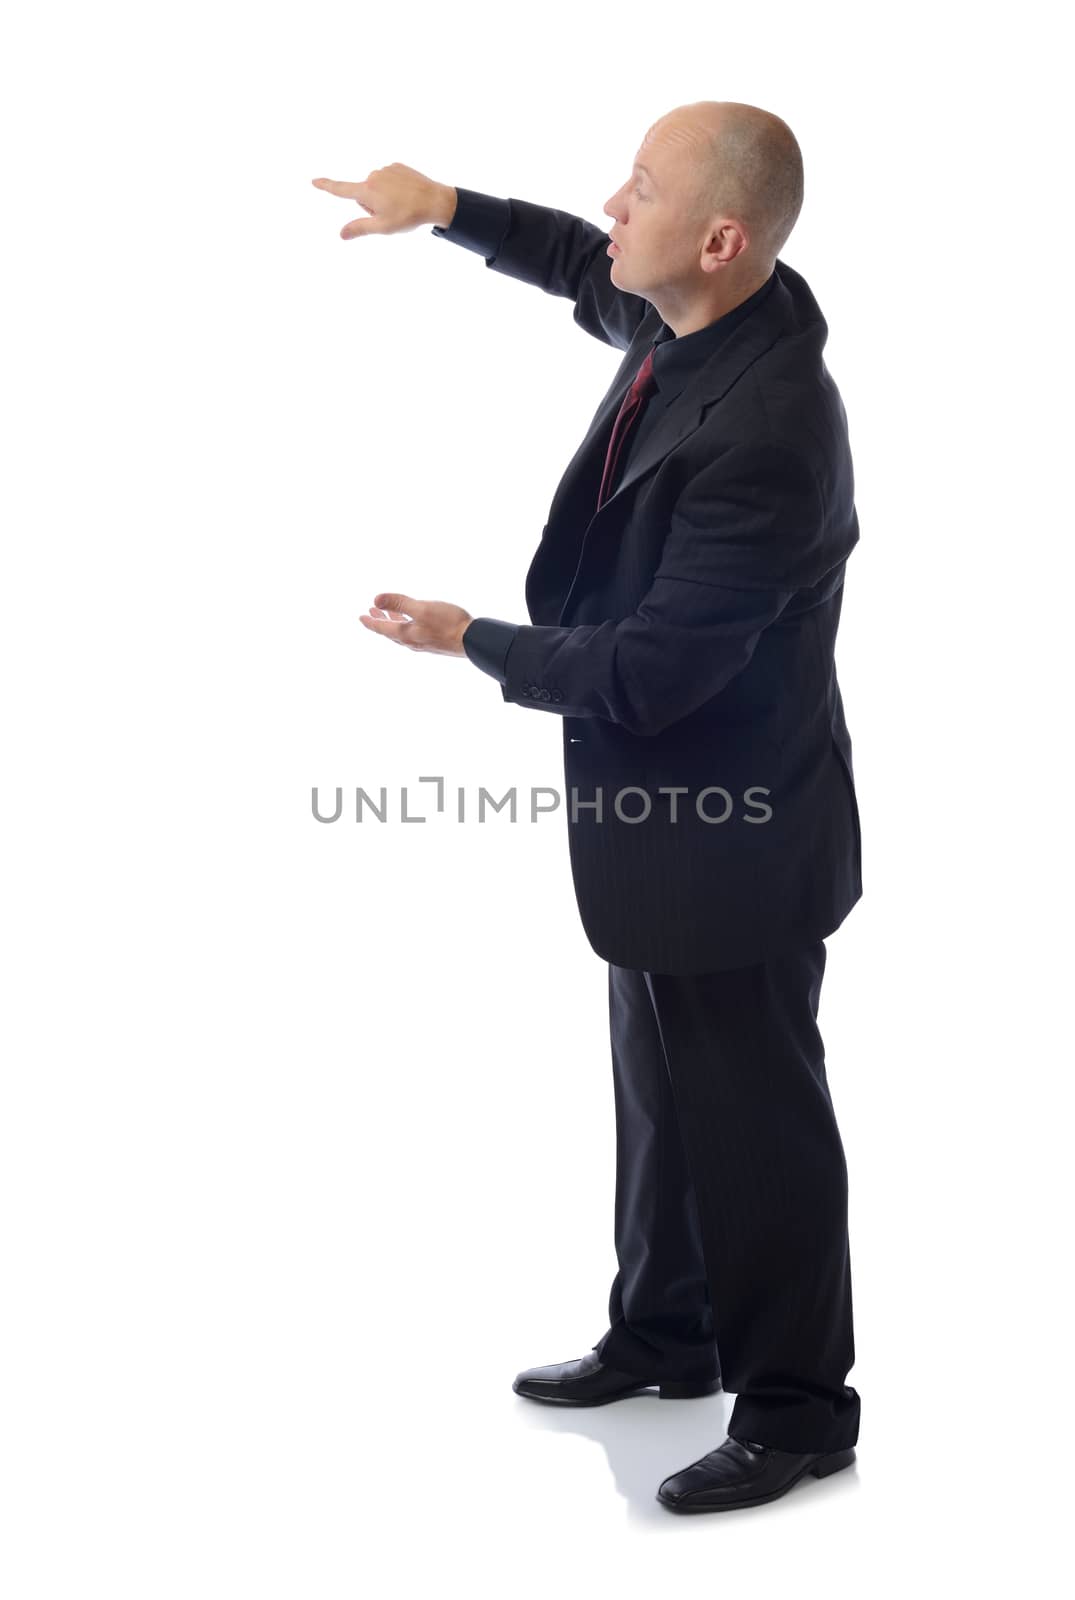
column 834, row 1461
column 667, row 1391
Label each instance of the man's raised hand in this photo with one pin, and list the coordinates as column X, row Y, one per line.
column 398, row 199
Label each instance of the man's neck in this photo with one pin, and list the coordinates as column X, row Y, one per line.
column 691, row 318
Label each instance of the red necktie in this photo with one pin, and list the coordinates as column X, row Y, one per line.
column 633, row 401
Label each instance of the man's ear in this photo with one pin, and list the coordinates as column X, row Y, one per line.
column 727, row 240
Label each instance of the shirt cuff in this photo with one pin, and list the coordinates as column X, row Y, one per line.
column 486, row 642
column 479, row 224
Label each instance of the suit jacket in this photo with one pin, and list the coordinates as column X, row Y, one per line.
column 685, row 631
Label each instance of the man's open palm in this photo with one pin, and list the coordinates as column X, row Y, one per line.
column 431, row 625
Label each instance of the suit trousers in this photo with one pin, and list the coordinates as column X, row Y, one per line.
column 731, row 1197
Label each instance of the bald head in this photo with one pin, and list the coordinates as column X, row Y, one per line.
column 738, row 161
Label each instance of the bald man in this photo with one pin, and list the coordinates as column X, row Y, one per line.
column 684, row 603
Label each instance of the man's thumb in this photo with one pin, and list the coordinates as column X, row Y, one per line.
column 398, row 602
column 361, row 226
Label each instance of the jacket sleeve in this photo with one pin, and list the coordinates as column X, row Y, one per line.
column 735, row 555
column 553, row 250
column 486, row 643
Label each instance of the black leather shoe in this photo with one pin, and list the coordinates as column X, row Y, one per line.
column 588, row 1382
column 739, row 1473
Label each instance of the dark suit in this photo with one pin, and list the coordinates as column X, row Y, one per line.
column 685, row 634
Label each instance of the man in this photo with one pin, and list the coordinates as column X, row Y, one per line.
column 684, row 604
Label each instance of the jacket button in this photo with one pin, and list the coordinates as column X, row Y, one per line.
column 557, row 695
column 545, row 695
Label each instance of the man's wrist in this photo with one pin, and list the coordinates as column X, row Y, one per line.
column 444, row 209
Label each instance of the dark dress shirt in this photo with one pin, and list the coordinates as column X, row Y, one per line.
column 479, row 224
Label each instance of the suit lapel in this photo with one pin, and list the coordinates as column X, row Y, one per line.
column 774, row 318
column 708, row 385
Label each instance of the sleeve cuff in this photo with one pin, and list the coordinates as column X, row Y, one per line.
column 479, row 224
column 486, row 642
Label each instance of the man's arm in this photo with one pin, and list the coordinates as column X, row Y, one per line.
column 745, row 536
column 478, row 222
column 559, row 253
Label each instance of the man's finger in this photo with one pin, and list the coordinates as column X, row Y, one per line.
column 353, row 191
column 346, row 191
column 388, row 630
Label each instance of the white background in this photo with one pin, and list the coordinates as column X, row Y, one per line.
column 307, row 1133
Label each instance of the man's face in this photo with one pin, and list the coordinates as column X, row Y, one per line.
column 659, row 246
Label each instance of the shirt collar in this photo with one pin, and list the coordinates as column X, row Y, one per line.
column 676, row 360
